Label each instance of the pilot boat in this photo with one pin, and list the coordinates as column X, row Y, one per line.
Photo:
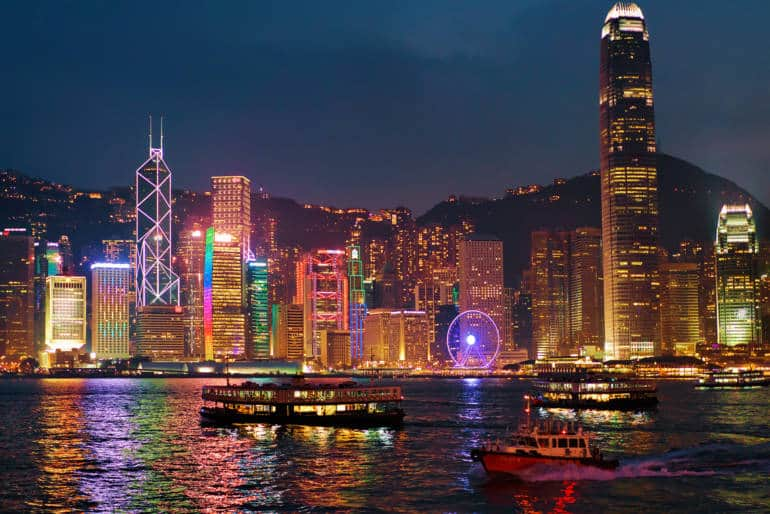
column 547, row 442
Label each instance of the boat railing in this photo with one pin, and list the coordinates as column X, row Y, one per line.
column 301, row 396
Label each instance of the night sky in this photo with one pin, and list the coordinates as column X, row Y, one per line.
column 363, row 103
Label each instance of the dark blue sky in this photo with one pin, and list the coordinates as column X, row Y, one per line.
column 364, row 103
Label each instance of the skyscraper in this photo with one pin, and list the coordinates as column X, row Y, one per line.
column 110, row 286
column 289, row 329
column 629, row 184
column 258, row 309
column 736, row 250
column 231, row 209
column 357, row 304
column 586, row 288
column 156, row 283
column 17, row 289
column 65, row 313
column 224, row 318
column 679, row 307
column 190, row 259
column 550, row 292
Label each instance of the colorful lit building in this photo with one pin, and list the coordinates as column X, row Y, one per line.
column 357, row 302
column 190, row 255
column 629, row 180
column 231, row 208
column 17, row 293
column 258, row 309
column 110, row 288
column 322, row 288
column 736, row 250
column 224, row 318
column 65, row 309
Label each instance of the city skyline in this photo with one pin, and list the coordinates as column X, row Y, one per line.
column 312, row 153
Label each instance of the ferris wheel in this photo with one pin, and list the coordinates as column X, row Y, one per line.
column 473, row 340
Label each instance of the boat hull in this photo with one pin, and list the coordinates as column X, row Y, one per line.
column 740, row 385
column 219, row 415
column 619, row 404
column 516, row 464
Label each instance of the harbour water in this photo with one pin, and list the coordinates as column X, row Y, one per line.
column 136, row 445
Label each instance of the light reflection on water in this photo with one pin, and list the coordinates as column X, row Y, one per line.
column 137, row 445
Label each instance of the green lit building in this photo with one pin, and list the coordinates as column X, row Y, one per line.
column 736, row 253
column 258, row 308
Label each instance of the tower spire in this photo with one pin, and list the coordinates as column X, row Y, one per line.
column 149, row 149
column 161, row 134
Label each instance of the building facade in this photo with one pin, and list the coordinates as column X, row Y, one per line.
column 231, row 208
column 679, row 307
column 190, row 253
column 549, row 262
column 736, row 251
column 258, row 309
column 110, row 294
column 17, row 294
column 629, row 181
column 65, row 308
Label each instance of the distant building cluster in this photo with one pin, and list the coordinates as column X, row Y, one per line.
column 207, row 277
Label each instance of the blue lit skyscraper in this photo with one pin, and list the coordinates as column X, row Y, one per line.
column 257, row 303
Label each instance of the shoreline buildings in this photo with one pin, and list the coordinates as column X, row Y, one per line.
column 629, row 185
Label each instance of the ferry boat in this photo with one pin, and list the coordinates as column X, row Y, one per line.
column 337, row 402
column 733, row 379
column 593, row 391
column 545, row 444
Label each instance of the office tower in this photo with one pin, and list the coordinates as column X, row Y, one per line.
column 120, row 250
column 65, row 313
column 322, row 288
column 335, row 348
column 481, row 279
column 432, row 248
column 404, row 253
column 190, row 256
column 550, row 292
column 387, row 288
column 679, row 307
column 289, row 330
column 257, row 308
column 357, row 302
column 231, row 209
column 156, row 283
column 408, row 337
column 110, row 287
column 17, row 294
column 67, row 259
column 629, row 185
column 444, row 317
column 708, row 296
column 53, row 259
column 586, row 289
column 224, row 319
column 376, row 344
column 160, row 333
column 736, row 250
column 430, row 293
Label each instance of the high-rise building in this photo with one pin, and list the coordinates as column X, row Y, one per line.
column 322, row 288
column 629, row 181
column 17, row 293
column 409, row 336
column 481, row 279
column 224, row 318
column 357, row 302
column 156, row 282
column 335, row 348
column 258, row 309
column 231, row 209
column 679, row 307
column 53, row 259
column 160, row 332
column 736, row 250
column 376, row 344
column 65, row 309
column 550, row 292
column 190, row 254
column 586, row 289
column 289, row 330
column 110, row 287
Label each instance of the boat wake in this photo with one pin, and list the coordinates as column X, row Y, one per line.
column 704, row 460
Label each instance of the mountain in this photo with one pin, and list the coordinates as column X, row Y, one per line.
column 689, row 203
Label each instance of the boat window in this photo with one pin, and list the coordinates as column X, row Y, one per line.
column 543, row 442
column 582, row 443
column 553, row 443
column 562, row 443
column 573, row 443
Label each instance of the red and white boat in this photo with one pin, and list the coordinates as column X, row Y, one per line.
column 546, row 443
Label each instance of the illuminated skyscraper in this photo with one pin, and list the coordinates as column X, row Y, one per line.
column 335, row 348
column 17, row 288
column 257, row 306
column 289, row 327
column 110, row 286
column 53, row 259
column 679, row 307
column 322, row 288
column 736, row 252
column 190, row 252
column 156, row 283
column 357, row 304
column 550, row 292
column 160, row 333
column 224, row 318
column 231, row 209
column 409, row 336
column 629, row 185
column 481, row 278
column 65, row 313
column 586, row 288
